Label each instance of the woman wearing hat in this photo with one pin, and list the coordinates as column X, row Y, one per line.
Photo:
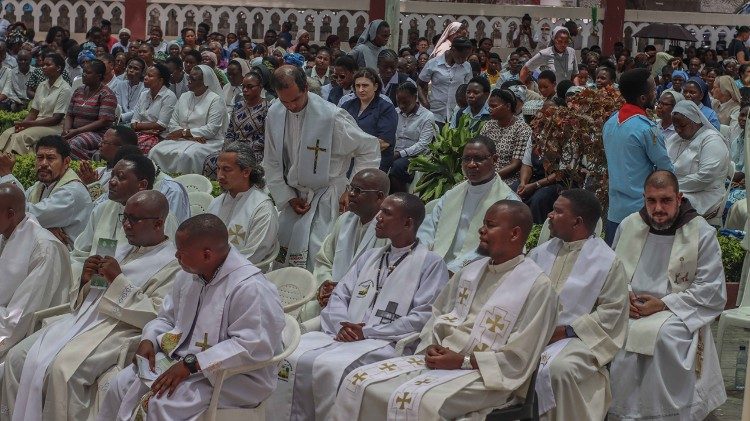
column 559, row 58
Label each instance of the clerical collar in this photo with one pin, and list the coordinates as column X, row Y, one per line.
column 481, row 187
column 482, row 183
column 399, row 250
column 685, row 214
column 216, row 272
column 146, row 249
column 505, row 266
column 574, row 245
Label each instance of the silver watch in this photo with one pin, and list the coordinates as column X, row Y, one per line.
column 467, row 363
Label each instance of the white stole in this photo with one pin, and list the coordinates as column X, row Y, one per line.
column 241, row 213
column 490, row 332
column 449, row 220
column 578, row 297
column 347, row 251
column 138, row 271
column 681, row 271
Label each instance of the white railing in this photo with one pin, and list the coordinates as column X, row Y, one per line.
column 325, row 17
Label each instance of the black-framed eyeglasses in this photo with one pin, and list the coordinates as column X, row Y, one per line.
column 357, row 190
column 475, row 159
column 132, row 220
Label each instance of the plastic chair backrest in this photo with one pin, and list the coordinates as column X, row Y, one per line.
column 195, row 183
column 199, row 202
column 296, row 286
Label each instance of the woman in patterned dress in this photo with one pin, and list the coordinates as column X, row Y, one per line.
column 91, row 112
column 247, row 122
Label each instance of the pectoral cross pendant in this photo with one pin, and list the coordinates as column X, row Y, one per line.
column 317, row 149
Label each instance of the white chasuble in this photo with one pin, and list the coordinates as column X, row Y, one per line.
column 308, row 155
column 578, row 297
column 491, row 330
column 88, row 316
column 252, row 222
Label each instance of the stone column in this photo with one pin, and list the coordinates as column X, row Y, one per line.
column 135, row 18
column 614, row 19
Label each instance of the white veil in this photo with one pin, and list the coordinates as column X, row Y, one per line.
column 210, row 80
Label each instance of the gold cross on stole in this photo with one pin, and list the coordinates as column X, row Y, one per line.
column 203, row 345
column 316, row 149
column 403, row 400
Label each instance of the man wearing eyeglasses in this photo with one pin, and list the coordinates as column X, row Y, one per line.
column 385, row 296
column 352, row 234
column 450, row 230
column 131, row 174
column 310, row 147
column 60, row 369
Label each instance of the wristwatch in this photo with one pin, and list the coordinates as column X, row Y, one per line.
column 191, row 363
column 569, row 332
column 466, row 365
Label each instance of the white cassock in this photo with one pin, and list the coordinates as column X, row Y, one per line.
column 573, row 382
column 177, row 196
column 205, row 116
column 308, row 155
column 65, row 204
column 252, row 221
column 700, row 165
column 349, row 238
column 502, row 314
column 35, row 276
column 236, row 319
column 669, row 368
column 451, row 229
column 391, row 307
column 57, row 372
column 104, row 222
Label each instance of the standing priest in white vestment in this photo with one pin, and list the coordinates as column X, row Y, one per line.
column 450, row 229
column 58, row 200
column 352, row 234
column 35, row 268
column 198, row 125
column 669, row 368
column 573, row 382
column 310, row 146
column 386, row 296
column 222, row 313
column 131, row 174
column 56, row 373
column 246, row 210
column 479, row 349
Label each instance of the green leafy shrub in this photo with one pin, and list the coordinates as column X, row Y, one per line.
column 533, row 239
column 25, row 172
column 441, row 164
column 8, row 118
column 732, row 255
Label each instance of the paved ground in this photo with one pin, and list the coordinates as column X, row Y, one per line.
column 732, row 409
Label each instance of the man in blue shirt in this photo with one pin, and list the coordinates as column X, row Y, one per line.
column 634, row 148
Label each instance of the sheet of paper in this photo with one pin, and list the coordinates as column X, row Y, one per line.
column 106, row 247
column 161, row 364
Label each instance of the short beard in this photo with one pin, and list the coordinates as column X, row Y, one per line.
column 482, row 251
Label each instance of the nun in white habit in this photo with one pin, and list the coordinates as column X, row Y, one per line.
column 197, row 127
column 700, row 158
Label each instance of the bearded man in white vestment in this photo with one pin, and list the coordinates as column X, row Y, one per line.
column 573, row 382
column 118, row 142
column 246, row 210
column 386, row 296
column 669, row 368
column 482, row 343
column 56, row 373
column 35, row 268
column 198, row 125
column 131, row 174
column 222, row 314
column 449, row 230
column 58, row 200
column 352, row 234
column 309, row 148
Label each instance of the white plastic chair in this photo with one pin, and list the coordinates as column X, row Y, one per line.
column 195, row 182
column 199, row 202
column 544, row 234
column 737, row 216
column 716, row 220
column 41, row 315
column 739, row 317
column 296, row 287
column 290, row 338
column 417, row 176
column 265, row 265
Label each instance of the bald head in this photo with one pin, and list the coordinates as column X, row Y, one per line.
column 662, row 179
column 375, row 179
column 206, row 230
column 11, row 197
column 516, row 213
column 151, row 202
